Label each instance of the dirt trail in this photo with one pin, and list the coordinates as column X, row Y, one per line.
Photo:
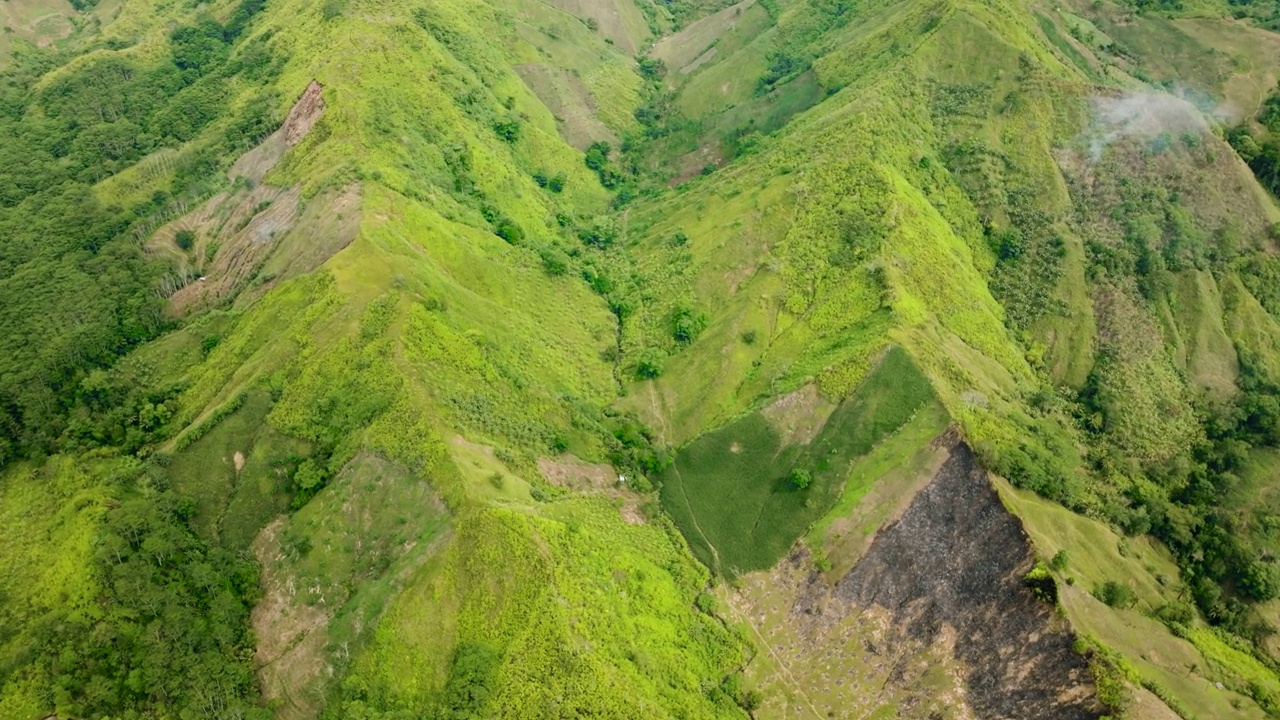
column 778, row 660
column 694, row 517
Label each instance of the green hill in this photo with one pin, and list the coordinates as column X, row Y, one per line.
column 786, row 358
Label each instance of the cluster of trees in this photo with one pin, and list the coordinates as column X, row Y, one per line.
column 1183, row 502
column 168, row 635
column 1221, row 565
column 1263, row 157
column 597, row 158
column 1262, row 154
column 75, row 291
column 782, row 67
column 633, row 449
column 171, row 635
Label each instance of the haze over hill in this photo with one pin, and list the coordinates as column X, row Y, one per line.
column 506, row 359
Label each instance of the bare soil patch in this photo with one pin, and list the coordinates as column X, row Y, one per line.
column 798, row 416
column 255, row 164
column 570, row 101
column 692, row 162
column 248, row 230
column 291, row 635
column 568, row 471
column 933, row 621
column 954, row 563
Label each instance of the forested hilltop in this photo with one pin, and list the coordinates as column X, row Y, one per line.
column 786, row 358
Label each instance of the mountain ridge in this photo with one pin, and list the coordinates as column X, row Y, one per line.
column 901, row 215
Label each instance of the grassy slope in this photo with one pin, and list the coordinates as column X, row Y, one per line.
column 977, row 369
column 329, row 571
column 429, row 322
column 825, row 318
column 729, row 490
column 460, row 331
column 589, row 614
column 1188, row 670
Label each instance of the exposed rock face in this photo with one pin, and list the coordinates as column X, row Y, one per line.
column 303, row 114
column 258, row 228
column 953, row 564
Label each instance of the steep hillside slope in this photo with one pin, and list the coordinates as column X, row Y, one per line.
column 391, row 358
column 935, row 620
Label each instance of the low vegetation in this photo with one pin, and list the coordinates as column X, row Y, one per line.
column 746, row 470
column 586, row 273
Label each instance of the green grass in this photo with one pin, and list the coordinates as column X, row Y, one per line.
column 1159, row 657
column 1067, row 48
column 589, row 614
column 234, row 505
column 881, row 483
column 1252, row 503
column 1096, row 553
column 729, row 490
column 370, row 515
column 49, row 517
column 1238, row 665
column 1186, row 667
column 337, row 563
column 1210, row 357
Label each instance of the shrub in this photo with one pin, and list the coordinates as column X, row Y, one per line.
column 1176, row 612
column 308, row 476
column 651, row 68
column 1041, row 584
column 472, row 680
column 1059, row 561
column 554, row 262
column 800, row 479
column 1114, row 594
column 508, row 130
column 749, row 337
column 597, row 155
column 600, row 234
column 1112, row 675
column 1260, row 581
column 686, row 325
column 508, row 230
column 556, row 183
column 649, row 366
column 185, row 240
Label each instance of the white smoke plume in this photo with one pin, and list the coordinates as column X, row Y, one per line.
column 1144, row 116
